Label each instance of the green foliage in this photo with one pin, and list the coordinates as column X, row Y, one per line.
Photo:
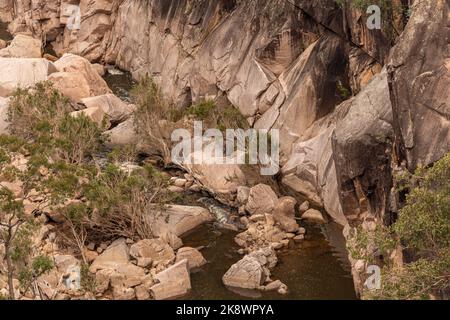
column 41, row 117
column 88, row 283
column 423, row 230
column 202, row 110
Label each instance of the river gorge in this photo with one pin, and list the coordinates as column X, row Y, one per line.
column 359, row 113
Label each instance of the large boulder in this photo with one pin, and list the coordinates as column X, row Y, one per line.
column 252, row 271
column 173, row 282
column 334, row 167
column 115, row 256
column 193, row 256
column 154, row 250
column 116, row 110
column 22, row 73
column 179, row 220
column 77, row 78
column 123, row 134
column 284, row 214
column 262, row 199
column 23, row 46
column 419, row 74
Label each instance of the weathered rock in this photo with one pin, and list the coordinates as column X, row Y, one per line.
column 304, row 207
column 155, row 249
column 101, row 70
column 284, row 214
column 116, row 110
column 419, row 74
column 262, row 199
column 179, row 220
column 23, row 46
column 22, row 73
column 77, row 79
column 122, row 134
column 193, row 256
column 96, row 114
column 243, row 194
column 3, row 44
column 247, row 274
column 173, row 282
column 171, row 239
column 251, row 271
column 115, row 256
column 313, row 215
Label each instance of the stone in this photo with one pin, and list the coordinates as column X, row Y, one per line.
column 3, row 44
column 173, row 282
column 193, row 256
column 155, row 249
column 180, row 220
column 262, row 199
column 171, row 239
column 23, row 46
column 274, row 286
column 142, row 293
column 419, row 87
column 127, row 275
column 123, row 293
column 117, row 110
column 252, row 271
column 102, row 280
column 304, row 207
column 115, row 256
column 284, row 214
column 96, row 114
column 313, row 215
column 175, row 189
column 50, row 57
column 247, row 273
column 122, row 135
column 144, row 262
column 77, row 79
column 100, row 69
column 23, row 73
column 242, row 195
column 180, row 183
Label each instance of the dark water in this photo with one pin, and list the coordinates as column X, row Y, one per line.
column 121, row 83
column 311, row 269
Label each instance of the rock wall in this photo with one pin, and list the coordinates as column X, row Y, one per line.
column 286, row 64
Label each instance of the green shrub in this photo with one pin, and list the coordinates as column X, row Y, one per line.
column 423, row 230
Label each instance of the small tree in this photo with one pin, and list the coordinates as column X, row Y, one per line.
column 11, row 221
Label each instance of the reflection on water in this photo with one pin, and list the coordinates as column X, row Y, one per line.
column 310, row 269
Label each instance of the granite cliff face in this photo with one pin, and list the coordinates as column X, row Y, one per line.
column 285, row 64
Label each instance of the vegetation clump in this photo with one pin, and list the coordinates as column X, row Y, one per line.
column 422, row 231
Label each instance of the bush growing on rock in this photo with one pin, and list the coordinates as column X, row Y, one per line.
column 91, row 198
column 422, row 231
column 41, row 116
